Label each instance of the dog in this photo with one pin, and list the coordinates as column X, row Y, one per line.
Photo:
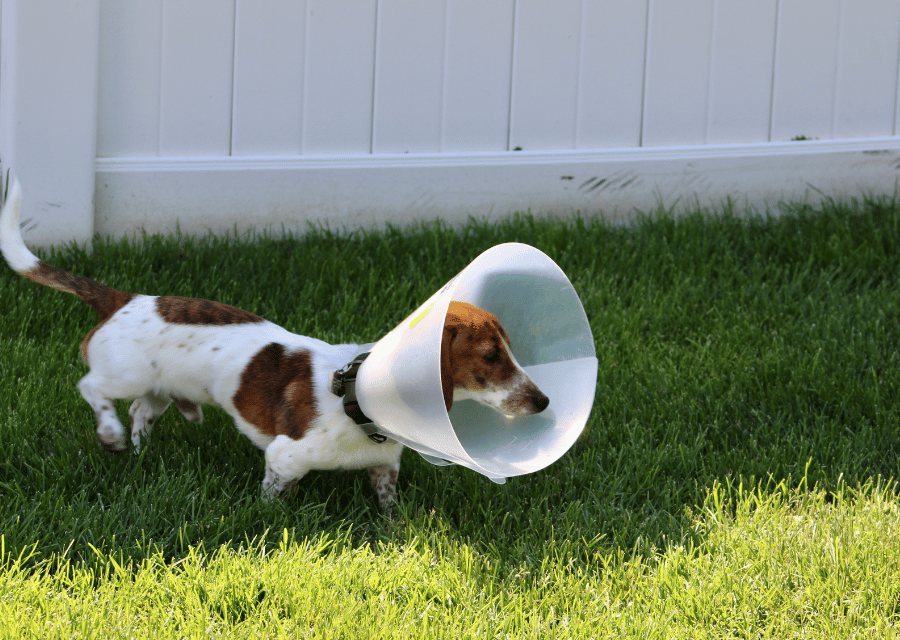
column 274, row 383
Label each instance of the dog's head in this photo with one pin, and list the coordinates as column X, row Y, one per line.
column 477, row 363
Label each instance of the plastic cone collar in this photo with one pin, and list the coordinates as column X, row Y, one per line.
column 399, row 384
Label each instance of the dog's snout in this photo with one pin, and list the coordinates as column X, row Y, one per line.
column 528, row 401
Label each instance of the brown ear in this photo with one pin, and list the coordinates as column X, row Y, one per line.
column 447, row 366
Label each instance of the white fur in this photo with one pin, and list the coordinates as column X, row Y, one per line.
column 11, row 244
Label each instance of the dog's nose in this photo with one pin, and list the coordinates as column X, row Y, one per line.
column 540, row 402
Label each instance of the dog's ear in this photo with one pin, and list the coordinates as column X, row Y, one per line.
column 447, row 365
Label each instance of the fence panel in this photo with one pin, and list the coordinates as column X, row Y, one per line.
column 269, row 49
column 678, row 71
column 339, row 76
column 546, row 54
column 409, row 76
column 478, row 65
column 196, row 78
column 128, row 98
column 740, row 85
column 806, row 54
column 611, row 79
column 864, row 100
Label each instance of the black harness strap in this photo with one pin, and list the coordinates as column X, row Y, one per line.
column 343, row 384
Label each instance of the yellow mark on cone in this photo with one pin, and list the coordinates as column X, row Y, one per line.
column 419, row 317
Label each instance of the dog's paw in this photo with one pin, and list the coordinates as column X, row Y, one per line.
column 137, row 442
column 111, row 438
column 271, row 488
column 275, row 488
column 112, row 446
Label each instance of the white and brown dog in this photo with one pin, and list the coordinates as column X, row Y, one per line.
column 275, row 384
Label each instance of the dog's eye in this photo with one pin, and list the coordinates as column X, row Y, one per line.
column 493, row 357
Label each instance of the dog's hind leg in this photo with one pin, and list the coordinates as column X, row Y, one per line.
column 109, row 428
column 190, row 410
column 143, row 413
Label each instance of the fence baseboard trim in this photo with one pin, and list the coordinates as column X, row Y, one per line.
column 226, row 193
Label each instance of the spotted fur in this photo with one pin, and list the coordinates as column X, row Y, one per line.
column 275, row 384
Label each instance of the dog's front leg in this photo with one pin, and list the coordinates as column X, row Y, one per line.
column 285, row 464
column 384, row 482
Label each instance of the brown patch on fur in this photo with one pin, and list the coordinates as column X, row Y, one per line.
column 178, row 310
column 447, row 365
column 105, row 300
column 477, row 351
column 276, row 392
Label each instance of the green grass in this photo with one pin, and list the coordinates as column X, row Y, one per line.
column 736, row 477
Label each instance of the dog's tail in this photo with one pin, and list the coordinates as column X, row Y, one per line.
column 105, row 300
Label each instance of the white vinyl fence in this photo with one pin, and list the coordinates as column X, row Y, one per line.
column 120, row 115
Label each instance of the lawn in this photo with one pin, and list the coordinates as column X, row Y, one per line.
column 736, row 477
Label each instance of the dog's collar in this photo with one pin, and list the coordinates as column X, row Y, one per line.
column 343, row 384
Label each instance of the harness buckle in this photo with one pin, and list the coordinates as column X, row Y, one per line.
column 343, row 384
